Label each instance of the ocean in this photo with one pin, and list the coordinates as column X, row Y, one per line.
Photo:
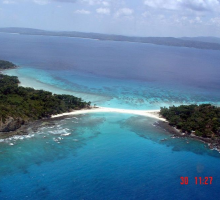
column 109, row 155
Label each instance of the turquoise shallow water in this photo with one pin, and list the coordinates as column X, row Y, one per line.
column 105, row 156
column 117, row 74
column 109, row 156
column 115, row 93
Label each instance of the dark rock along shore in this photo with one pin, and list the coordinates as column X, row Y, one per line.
column 213, row 144
column 11, row 124
column 28, row 127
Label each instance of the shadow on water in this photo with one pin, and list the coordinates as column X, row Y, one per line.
column 146, row 128
column 48, row 144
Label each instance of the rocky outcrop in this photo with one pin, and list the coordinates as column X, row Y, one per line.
column 11, row 124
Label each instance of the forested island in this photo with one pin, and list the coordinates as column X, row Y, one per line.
column 167, row 41
column 201, row 121
column 6, row 65
column 19, row 105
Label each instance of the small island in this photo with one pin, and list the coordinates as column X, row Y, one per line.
column 6, row 65
column 197, row 121
column 21, row 105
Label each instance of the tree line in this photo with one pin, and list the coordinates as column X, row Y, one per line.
column 31, row 104
column 203, row 120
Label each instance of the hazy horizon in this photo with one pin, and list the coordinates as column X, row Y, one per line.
column 158, row 18
column 106, row 33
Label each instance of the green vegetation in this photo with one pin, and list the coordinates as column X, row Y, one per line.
column 30, row 104
column 6, row 65
column 204, row 119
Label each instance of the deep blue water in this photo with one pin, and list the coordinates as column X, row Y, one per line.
column 109, row 156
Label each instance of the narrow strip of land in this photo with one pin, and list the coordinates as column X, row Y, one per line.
column 146, row 113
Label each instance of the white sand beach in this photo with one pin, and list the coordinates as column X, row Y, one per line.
column 146, row 113
column 29, row 82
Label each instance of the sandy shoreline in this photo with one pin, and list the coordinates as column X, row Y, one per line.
column 146, row 113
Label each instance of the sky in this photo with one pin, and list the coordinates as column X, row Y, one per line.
column 174, row 18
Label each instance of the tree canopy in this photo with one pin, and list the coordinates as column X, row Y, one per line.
column 31, row 104
column 203, row 119
column 6, row 65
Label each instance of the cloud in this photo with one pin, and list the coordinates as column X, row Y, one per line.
column 41, row 2
column 197, row 20
column 124, row 12
column 105, row 3
column 146, row 14
column 197, row 5
column 89, row 2
column 169, row 4
column 44, row 2
column 215, row 21
column 8, row 2
column 84, row 12
column 200, row 5
column 65, row 1
column 105, row 11
column 94, row 2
